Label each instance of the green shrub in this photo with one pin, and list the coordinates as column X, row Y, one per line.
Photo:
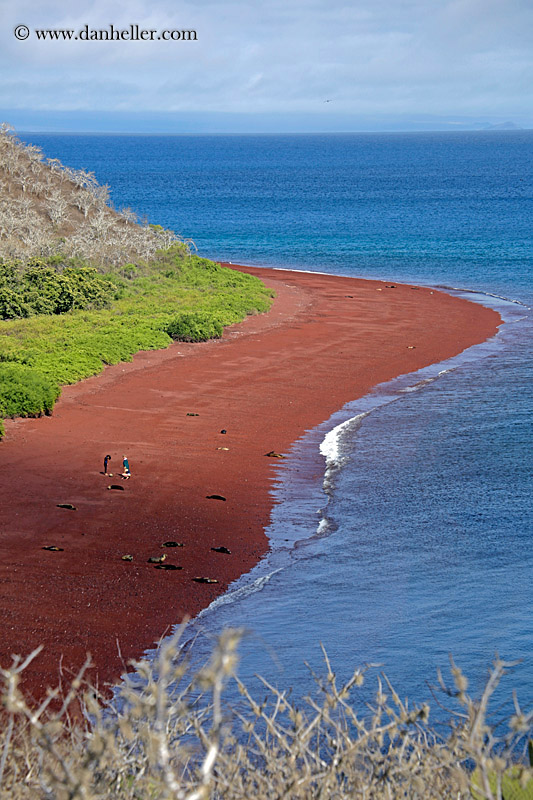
column 514, row 784
column 194, row 328
column 109, row 318
column 25, row 392
column 38, row 287
column 11, row 304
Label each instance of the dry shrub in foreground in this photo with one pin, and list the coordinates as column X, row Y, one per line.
column 168, row 735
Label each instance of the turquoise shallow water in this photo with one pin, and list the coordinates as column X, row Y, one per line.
column 422, row 544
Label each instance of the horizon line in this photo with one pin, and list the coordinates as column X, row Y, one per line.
column 270, row 133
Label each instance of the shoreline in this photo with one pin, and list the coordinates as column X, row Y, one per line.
column 326, row 341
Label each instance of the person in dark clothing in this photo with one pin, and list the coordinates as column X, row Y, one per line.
column 107, row 459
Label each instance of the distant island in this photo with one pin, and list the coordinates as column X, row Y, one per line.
column 502, row 126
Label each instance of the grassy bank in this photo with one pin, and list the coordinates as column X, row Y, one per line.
column 173, row 296
column 169, row 734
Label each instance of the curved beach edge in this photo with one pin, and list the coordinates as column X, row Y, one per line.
column 327, row 340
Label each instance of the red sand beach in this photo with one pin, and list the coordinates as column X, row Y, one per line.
column 327, row 340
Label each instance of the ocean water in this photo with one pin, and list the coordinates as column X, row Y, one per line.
column 416, row 543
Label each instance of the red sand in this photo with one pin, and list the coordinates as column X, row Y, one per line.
column 327, row 340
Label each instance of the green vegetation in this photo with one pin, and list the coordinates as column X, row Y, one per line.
column 64, row 322
column 509, row 785
column 194, row 328
column 169, row 734
column 37, row 287
column 25, row 392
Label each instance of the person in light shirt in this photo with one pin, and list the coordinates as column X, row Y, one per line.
column 126, row 468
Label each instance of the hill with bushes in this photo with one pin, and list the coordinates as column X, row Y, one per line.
column 82, row 285
column 47, row 209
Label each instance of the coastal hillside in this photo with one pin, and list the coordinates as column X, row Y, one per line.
column 48, row 209
column 83, row 285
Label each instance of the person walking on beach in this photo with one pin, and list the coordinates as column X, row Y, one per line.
column 126, row 468
column 107, row 459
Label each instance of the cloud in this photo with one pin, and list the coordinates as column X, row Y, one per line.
column 367, row 57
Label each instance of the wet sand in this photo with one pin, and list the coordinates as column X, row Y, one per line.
column 326, row 341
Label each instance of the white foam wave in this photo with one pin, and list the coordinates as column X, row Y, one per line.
column 483, row 294
column 329, row 447
column 323, row 526
column 419, row 385
column 232, row 595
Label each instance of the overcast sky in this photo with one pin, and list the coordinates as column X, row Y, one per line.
column 370, row 59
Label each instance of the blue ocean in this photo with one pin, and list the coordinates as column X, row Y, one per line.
column 415, row 543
